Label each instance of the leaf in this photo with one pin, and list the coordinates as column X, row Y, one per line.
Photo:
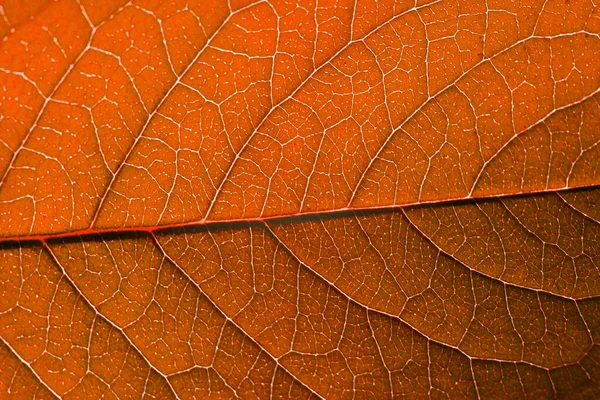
column 297, row 199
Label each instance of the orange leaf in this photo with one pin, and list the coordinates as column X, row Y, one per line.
column 300, row 198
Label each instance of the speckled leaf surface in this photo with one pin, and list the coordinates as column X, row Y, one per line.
column 300, row 199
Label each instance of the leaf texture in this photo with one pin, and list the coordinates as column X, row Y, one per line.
column 300, row 199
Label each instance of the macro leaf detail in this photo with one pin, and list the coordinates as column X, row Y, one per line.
column 300, row 199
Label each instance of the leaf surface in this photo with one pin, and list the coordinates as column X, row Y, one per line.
column 335, row 199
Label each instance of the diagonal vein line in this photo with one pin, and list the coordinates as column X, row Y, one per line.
column 161, row 102
column 397, row 317
column 233, row 322
column 576, row 209
column 68, row 278
column 289, row 218
column 369, row 309
column 58, row 85
column 266, row 227
column 453, row 83
column 272, row 234
column 497, row 279
column 336, row 213
column 29, row 367
column 518, row 134
column 298, row 88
